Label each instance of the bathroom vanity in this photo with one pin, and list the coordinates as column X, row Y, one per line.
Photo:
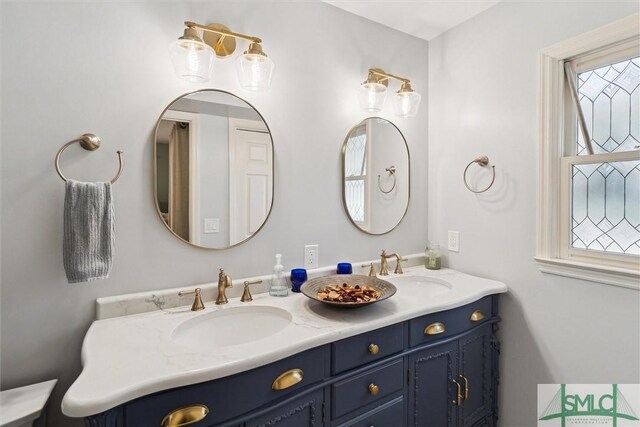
column 426, row 357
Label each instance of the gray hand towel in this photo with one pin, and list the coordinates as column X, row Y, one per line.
column 89, row 231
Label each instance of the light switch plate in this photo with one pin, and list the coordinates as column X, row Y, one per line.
column 453, row 241
column 311, row 256
column 211, row 225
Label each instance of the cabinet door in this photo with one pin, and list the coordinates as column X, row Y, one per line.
column 476, row 374
column 305, row 411
column 431, row 387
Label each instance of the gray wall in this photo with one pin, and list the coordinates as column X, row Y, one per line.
column 103, row 67
column 482, row 97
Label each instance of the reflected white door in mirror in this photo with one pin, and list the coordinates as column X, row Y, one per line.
column 213, row 169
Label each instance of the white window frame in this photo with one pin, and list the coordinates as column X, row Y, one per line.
column 364, row 176
column 552, row 255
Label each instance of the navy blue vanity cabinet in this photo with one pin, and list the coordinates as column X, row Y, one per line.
column 453, row 381
column 304, row 411
column 436, row 370
column 234, row 397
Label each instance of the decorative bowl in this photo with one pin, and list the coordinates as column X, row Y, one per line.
column 313, row 286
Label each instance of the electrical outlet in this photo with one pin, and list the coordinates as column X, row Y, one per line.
column 311, row 256
column 453, row 241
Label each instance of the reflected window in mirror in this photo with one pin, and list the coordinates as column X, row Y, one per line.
column 355, row 185
column 375, row 175
column 213, row 169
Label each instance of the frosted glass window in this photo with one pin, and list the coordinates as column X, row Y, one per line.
column 605, row 207
column 355, row 174
column 610, row 100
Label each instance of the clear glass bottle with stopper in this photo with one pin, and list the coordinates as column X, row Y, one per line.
column 433, row 256
column 278, row 287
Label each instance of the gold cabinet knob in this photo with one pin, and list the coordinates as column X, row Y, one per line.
column 477, row 316
column 185, row 416
column 288, row 379
column 374, row 389
column 434, row 329
column 373, row 349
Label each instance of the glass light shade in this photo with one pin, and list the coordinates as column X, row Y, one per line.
column 192, row 60
column 372, row 96
column 254, row 71
column 406, row 104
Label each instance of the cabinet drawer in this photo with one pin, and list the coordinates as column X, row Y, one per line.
column 388, row 414
column 365, row 388
column 231, row 396
column 439, row 325
column 365, row 348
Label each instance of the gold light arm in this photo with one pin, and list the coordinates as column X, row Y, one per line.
column 223, row 32
column 386, row 75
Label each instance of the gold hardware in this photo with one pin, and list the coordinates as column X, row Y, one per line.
column 222, row 39
column 398, row 269
column 246, row 295
column 374, row 389
column 288, row 379
column 197, row 301
column 477, row 316
column 185, row 416
column 224, row 282
column 383, row 263
column 89, row 142
column 377, row 75
column 372, row 271
column 458, row 401
column 481, row 161
column 392, row 172
column 434, row 329
column 373, row 349
column 466, row 386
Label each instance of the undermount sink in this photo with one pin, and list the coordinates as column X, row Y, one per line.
column 429, row 286
column 230, row 326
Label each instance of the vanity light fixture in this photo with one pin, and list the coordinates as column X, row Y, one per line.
column 192, row 55
column 373, row 93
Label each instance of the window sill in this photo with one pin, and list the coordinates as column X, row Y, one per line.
column 626, row 278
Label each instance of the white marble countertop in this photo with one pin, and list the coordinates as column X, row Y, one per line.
column 127, row 357
column 21, row 406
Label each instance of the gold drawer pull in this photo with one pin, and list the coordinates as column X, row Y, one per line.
column 434, row 329
column 374, row 389
column 373, row 349
column 466, row 386
column 458, row 400
column 477, row 316
column 288, row 379
column 185, row 416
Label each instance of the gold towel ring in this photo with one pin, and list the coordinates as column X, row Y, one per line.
column 481, row 161
column 90, row 142
column 392, row 171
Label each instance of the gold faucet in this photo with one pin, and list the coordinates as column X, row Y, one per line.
column 383, row 263
column 224, row 282
column 197, row 301
column 246, row 295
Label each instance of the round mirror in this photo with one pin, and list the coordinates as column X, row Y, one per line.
column 213, row 169
column 375, row 175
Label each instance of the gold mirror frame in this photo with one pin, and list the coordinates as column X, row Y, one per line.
column 155, row 169
column 343, row 176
